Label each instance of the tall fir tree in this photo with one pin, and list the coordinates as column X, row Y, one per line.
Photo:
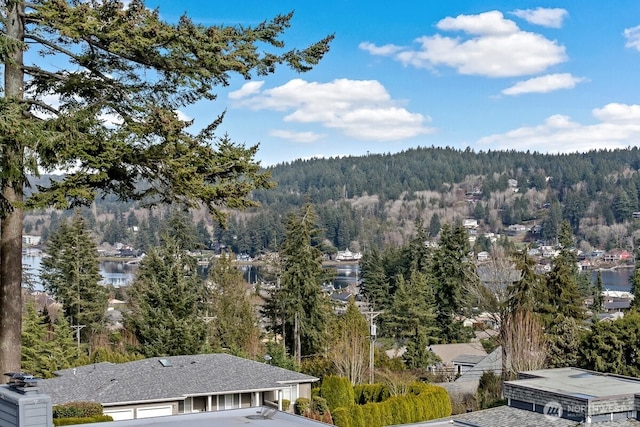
column 375, row 284
column 451, row 269
column 167, row 302
column 71, row 272
column 34, row 344
column 299, row 301
column 560, row 296
column 119, row 59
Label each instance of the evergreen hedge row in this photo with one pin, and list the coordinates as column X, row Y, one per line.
column 77, row 410
column 338, row 391
column 370, row 393
column 81, row 420
column 423, row 402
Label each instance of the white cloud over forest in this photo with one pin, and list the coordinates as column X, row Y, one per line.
column 618, row 127
column 361, row 109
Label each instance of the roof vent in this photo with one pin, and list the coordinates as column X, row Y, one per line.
column 165, row 362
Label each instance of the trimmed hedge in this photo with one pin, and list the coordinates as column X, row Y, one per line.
column 302, row 405
column 370, row 393
column 338, row 391
column 423, row 402
column 81, row 420
column 77, row 410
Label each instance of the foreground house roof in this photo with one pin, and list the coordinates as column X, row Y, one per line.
column 166, row 378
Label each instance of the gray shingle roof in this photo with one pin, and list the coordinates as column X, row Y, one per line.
column 148, row 380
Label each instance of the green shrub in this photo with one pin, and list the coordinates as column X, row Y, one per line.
column 302, row 405
column 338, row 391
column 81, row 420
column 286, row 404
column 367, row 393
column 319, row 405
column 77, row 410
column 342, row 417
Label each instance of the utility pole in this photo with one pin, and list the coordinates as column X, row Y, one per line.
column 77, row 329
column 372, row 340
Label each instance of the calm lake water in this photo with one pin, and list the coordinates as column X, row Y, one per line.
column 122, row 273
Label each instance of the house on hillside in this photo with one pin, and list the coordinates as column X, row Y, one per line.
column 174, row 385
column 617, row 255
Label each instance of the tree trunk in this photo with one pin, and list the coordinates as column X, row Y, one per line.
column 11, row 221
column 298, row 346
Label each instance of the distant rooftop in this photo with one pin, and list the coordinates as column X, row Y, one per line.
column 578, row 383
column 250, row 417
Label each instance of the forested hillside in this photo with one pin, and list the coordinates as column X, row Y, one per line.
column 373, row 201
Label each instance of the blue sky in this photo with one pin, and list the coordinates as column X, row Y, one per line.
column 545, row 76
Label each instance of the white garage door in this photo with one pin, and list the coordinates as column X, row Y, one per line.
column 154, row 411
column 119, row 414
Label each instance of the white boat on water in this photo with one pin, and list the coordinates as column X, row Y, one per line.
column 348, row 255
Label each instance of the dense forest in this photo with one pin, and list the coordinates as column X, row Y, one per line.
column 374, row 201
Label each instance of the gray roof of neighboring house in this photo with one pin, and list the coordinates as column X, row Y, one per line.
column 468, row 359
column 149, row 381
column 253, row 417
column 490, row 363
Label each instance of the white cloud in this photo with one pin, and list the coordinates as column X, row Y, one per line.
column 494, row 47
column 547, row 17
column 633, row 37
column 618, row 127
column 387, row 49
column 247, row 89
column 488, row 23
column 304, row 137
column 362, row 109
column 544, row 84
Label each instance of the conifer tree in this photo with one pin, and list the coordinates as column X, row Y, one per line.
column 34, row 344
column 598, row 299
column 63, row 352
column 560, row 296
column 107, row 111
column 451, row 269
column 167, row 303
column 375, row 284
column 299, row 301
column 71, row 272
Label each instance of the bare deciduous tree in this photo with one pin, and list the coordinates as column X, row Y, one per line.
column 523, row 343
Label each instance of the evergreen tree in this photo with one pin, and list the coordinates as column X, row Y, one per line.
column 451, row 269
column 375, row 285
column 304, row 308
column 234, row 323
column 117, row 59
column 598, row 298
column 167, row 303
column 560, row 295
column 71, row 272
column 34, row 344
column 434, row 225
column 63, row 352
column 612, row 347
